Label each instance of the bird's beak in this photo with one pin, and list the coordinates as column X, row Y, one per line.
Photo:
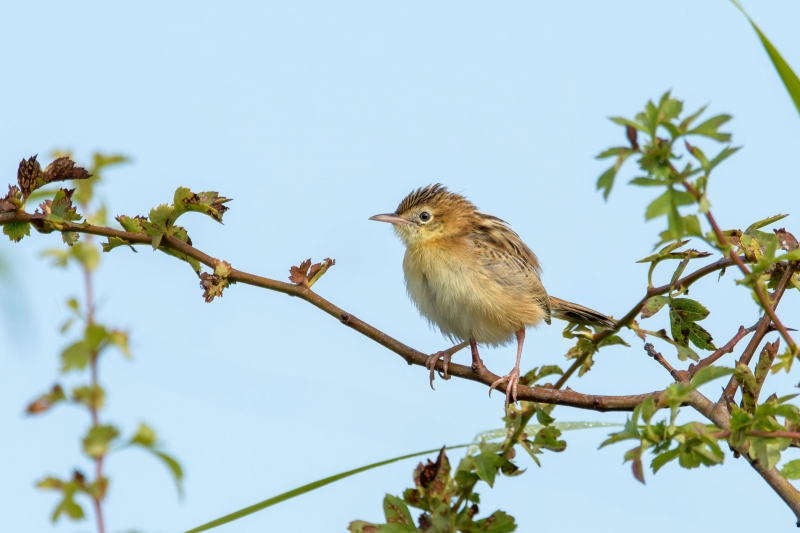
column 391, row 219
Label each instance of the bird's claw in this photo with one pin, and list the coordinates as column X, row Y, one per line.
column 511, row 381
column 430, row 364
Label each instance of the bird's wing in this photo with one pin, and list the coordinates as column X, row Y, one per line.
column 500, row 251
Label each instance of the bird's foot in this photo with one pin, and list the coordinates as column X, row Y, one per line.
column 477, row 363
column 430, row 364
column 511, row 380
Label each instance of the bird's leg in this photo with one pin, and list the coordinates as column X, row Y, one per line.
column 511, row 379
column 477, row 364
column 445, row 356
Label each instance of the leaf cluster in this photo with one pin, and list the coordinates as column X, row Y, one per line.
column 586, row 346
column 445, row 498
column 657, row 158
column 693, row 444
column 160, row 222
column 764, row 419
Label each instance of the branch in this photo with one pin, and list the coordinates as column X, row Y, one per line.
column 683, row 283
column 728, row 348
column 762, row 329
column 720, row 417
column 566, row 397
column 680, row 376
column 762, row 298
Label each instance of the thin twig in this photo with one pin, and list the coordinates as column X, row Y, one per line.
column 762, row 298
column 767, row 434
column 97, row 498
column 719, row 352
column 762, row 328
column 625, row 321
column 678, row 375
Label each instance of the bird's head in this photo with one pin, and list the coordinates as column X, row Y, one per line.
column 428, row 214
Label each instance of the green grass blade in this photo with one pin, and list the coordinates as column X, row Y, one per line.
column 488, row 435
column 306, row 488
column 789, row 78
column 532, row 429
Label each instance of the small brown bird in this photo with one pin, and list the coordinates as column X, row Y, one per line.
column 472, row 276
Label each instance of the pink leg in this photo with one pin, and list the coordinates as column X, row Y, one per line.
column 477, row 364
column 511, row 379
column 445, row 356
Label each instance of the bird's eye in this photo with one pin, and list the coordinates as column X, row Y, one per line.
column 424, row 216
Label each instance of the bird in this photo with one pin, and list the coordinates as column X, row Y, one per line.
column 472, row 277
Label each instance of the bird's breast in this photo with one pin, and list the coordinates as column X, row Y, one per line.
column 463, row 298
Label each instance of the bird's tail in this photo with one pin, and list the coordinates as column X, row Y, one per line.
column 579, row 314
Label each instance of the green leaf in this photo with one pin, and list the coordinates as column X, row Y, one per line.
column 659, row 206
column 700, row 337
column 75, row 357
column 783, row 362
column 666, row 253
column 498, row 522
column 789, row 78
column 653, row 305
column 132, row 225
column 308, row 488
column 97, row 440
column 612, row 152
column 663, row 458
column 606, row 181
column 194, row 263
column 208, row 203
column 647, row 182
column 120, row 340
column 61, row 208
column 144, row 436
column 791, row 470
column 709, row 373
column 683, row 314
column 16, row 231
column 768, row 450
column 487, row 462
column 690, row 309
column 92, row 396
column 631, row 431
column 157, row 224
column 547, row 438
column 765, row 222
column 668, row 201
column 173, row 466
column 396, row 512
column 722, row 156
column 68, row 506
column 684, row 353
column 625, row 122
column 115, row 242
column 710, row 128
column 537, row 373
column 685, row 123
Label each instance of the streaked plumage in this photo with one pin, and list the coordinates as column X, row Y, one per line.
column 472, row 276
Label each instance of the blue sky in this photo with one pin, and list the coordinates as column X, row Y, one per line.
column 314, row 116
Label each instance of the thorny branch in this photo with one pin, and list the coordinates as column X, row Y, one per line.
column 721, row 418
